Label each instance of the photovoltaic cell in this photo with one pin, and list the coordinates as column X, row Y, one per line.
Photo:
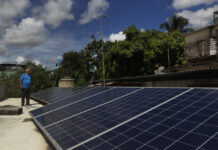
column 173, row 126
column 149, row 118
column 54, row 94
column 50, row 92
column 86, row 125
column 90, row 103
column 70, row 99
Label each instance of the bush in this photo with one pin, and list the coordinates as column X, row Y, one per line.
column 41, row 80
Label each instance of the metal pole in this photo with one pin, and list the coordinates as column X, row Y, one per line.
column 103, row 69
column 168, row 51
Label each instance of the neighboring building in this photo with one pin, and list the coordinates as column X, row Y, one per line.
column 201, row 45
column 201, row 49
column 10, row 68
column 57, row 66
column 58, row 63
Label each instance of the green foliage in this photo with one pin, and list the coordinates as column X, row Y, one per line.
column 74, row 65
column 12, row 84
column 176, row 22
column 140, row 54
column 93, row 56
column 131, row 33
column 145, row 51
column 41, row 80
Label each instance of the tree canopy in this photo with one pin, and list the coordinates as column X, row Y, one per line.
column 176, row 22
column 140, row 54
column 41, row 79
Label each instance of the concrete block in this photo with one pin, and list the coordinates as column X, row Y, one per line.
column 66, row 82
column 10, row 110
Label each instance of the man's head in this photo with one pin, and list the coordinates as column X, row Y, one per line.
column 28, row 70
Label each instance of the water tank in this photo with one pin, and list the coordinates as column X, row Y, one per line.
column 216, row 17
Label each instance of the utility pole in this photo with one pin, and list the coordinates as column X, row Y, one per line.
column 168, row 51
column 102, row 48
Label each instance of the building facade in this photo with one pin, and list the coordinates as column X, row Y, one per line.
column 201, row 46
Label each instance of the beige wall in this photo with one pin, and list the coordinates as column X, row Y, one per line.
column 197, row 36
column 66, row 83
column 200, row 35
column 202, row 42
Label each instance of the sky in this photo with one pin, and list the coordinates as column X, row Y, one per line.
column 41, row 31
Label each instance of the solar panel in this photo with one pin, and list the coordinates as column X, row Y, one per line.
column 54, row 94
column 70, row 99
column 85, row 104
column 81, row 124
column 58, row 92
column 187, row 122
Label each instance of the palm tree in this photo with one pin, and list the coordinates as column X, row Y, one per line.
column 176, row 22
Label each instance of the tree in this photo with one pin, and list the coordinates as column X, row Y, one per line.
column 156, row 53
column 12, row 84
column 140, row 54
column 176, row 22
column 127, row 57
column 93, row 56
column 41, row 80
column 144, row 52
column 73, row 65
column 131, row 32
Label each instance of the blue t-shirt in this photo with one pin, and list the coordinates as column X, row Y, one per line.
column 27, row 80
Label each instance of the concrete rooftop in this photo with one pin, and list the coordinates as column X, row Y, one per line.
column 18, row 131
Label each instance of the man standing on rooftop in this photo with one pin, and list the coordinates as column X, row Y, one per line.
column 26, row 83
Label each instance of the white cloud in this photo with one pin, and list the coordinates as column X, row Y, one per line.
column 20, row 59
column 10, row 9
column 55, row 12
column 60, row 57
column 142, row 30
column 36, row 62
column 30, row 32
column 182, row 4
column 117, row 37
column 4, row 51
column 96, row 8
column 200, row 17
column 5, row 23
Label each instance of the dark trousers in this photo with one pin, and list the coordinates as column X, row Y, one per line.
column 25, row 94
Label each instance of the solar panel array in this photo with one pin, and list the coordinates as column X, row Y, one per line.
column 129, row 118
column 54, row 94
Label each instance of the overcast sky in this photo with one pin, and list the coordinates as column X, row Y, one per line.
column 41, row 31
